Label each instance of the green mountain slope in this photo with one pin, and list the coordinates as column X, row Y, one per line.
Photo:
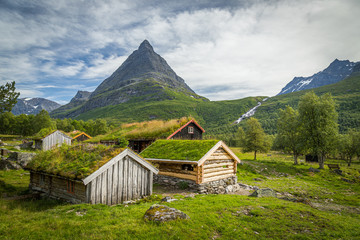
column 346, row 94
column 213, row 116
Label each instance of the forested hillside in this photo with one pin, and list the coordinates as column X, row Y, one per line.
column 346, row 93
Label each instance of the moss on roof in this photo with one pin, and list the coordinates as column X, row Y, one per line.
column 76, row 162
column 43, row 133
column 154, row 129
column 73, row 133
column 191, row 150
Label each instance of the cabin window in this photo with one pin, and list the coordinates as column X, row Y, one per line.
column 70, row 186
column 191, row 130
column 187, row 167
column 42, row 180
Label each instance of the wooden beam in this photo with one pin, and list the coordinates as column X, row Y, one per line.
column 219, row 169
column 178, row 171
column 216, row 165
column 222, row 157
column 217, row 178
column 178, row 175
column 229, row 171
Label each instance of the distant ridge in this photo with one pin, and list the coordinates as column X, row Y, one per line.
column 78, row 100
column 33, row 106
column 335, row 72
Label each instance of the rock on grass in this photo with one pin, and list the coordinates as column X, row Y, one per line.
column 162, row 213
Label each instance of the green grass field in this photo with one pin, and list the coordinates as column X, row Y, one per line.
column 331, row 211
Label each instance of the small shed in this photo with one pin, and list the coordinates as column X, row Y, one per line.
column 116, row 176
column 189, row 131
column 81, row 137
column 200, row 161
column 54, row 139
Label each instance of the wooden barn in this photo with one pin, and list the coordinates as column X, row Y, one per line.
column 200, row 161
column 120, row 175
column 81, row 137
column 54, row 139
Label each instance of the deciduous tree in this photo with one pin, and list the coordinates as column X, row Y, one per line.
column 255, row 138
column 319, row 121
column 289, row 132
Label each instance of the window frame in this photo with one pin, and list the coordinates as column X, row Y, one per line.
column 191, row 130
column 70, row 186
column 42, row 180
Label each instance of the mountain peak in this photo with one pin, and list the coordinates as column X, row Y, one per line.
column 81, row 95
column 335, row 72
column 145, row 45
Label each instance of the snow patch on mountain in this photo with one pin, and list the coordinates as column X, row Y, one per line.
column 33, row 106
column 335, row 72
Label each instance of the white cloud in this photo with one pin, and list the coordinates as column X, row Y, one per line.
column 251, row 50
column 102, row 67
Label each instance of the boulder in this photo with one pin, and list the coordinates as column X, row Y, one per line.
column 26, row 145
column 21, row 158
column 311, row 169
column 229, row 189
column 168, row 199
column 338, row 171
column 264, row 192
column 162, row 213
column 6, row 164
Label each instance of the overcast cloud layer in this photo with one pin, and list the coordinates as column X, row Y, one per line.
column 223, row 49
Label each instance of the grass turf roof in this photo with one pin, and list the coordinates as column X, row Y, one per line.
column 153, row 129
column 76, row 162
column 190, row 150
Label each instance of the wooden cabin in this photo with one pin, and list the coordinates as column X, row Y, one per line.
column 200, row 161
column 54, row 139
column 127, row 176
column 81, row 137
column 190, row 131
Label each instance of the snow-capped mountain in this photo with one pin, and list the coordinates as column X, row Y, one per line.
column 335, row 72
column 33, row 106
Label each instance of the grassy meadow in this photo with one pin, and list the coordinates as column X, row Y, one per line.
column 329, row 208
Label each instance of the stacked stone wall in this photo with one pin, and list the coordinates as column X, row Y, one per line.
column 222, row 186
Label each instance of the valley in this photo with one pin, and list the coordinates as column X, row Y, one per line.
column 319, row 205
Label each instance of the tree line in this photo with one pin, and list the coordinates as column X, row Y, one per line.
column 28, row 125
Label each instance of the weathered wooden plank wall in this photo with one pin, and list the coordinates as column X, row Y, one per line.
column 123, row 181
column 57, row 187
column 57, row 138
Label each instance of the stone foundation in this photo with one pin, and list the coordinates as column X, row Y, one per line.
column 222, row 186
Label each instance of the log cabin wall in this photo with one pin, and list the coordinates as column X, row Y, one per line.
column 57, row 187
column 179, row 170
column 219, row 165
column 125, row 180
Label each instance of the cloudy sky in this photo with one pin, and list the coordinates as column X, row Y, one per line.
column 224, row 49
